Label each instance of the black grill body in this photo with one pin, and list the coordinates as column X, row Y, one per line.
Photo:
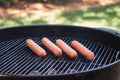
column 18, row 62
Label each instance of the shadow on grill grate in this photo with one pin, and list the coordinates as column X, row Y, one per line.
column 16, row 58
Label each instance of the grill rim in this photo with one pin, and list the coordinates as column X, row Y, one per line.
column 83, row 72
column 107, row 30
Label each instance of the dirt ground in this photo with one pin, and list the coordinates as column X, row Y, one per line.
column 25, row 8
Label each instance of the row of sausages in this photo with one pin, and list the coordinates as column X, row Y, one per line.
column 58, row 47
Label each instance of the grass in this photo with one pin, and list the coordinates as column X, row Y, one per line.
column 102, row 16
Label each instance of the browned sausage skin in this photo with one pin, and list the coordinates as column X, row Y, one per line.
column 51, row 46
column 35, row 48
column 66, row 49
column 83, row 50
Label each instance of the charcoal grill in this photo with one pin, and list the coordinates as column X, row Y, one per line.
column 19, row 62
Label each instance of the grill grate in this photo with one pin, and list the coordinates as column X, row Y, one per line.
column 17, row 59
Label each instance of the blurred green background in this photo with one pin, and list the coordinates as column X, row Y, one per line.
column 99, row 16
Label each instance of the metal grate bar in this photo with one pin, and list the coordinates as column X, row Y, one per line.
column 106, row 60
column 55, row 68
column 64, row 68
column 94, row 49
column 8, row 53
column 60, row 67
column 41, row 62
column 12, row 51
column 21, row 66
column 6, row 44
column 28, row 68
column 78, row 69
column 59, row 62
column 13, row 63
column 18, row 66
column 10, row 59
column 103, row 57
column 10, row 46
column 83, row 67
column 50, row 68
column 71, row 65
column 117, row 57
column 97, row 53
column 46, row 67
column 112, row 57
column 89, row 44
column 99, row 57
column 54, row 64
column 17, row 60
column 86, row 43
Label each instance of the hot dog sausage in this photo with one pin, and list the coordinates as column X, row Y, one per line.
column 67, row 49
column 35, row 48
column 82, row 49
column 51, row 46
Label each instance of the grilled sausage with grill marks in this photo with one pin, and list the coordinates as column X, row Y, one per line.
column 67, row 49
column 35, row 48
column 51, row 46
column 83, row 50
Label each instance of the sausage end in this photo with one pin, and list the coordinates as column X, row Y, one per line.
column 90, row 56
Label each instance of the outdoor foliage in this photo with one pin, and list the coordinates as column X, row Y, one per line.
column 6, row 3
column 102, row 16
column 54, row 1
